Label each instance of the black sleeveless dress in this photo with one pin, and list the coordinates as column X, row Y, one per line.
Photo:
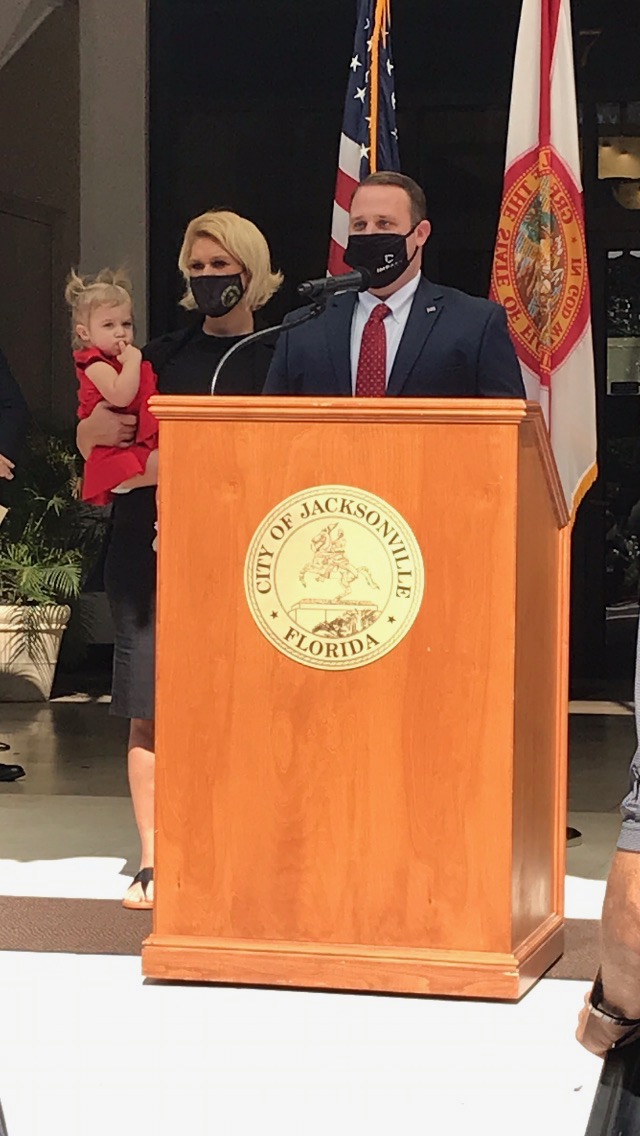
column 184, row 363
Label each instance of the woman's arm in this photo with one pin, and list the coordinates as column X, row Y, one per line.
column 118, row 388
column 105, row 427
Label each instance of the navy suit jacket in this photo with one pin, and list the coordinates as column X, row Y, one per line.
column 14, row 418
column 453, row 346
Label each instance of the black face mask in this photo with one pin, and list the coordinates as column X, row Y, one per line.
column 384, row 255
column 216, row 295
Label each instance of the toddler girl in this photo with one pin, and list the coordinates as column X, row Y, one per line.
column 109, row 368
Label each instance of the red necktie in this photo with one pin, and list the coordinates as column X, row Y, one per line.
column 371, row 379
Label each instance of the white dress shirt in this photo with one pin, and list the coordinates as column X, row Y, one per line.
column 394, row 324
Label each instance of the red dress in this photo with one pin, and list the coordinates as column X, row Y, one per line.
column 108, row 466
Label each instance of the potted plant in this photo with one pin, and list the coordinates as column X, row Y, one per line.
column 47, row 543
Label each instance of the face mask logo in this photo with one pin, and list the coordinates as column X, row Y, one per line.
column 231, row 296
column 383, row 255
column 216, row 295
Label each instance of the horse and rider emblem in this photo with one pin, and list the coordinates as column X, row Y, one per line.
column 330, row 562
column 334, row 577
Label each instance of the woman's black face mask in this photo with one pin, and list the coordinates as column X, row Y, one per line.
column 216, row 295
column 384, row 255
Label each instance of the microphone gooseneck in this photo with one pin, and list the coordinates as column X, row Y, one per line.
column 315, row 310
column 318, row 292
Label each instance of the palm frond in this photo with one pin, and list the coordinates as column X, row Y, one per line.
column 50, row 539
column 50, row 577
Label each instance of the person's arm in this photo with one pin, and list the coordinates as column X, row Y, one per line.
column 118, row 388
column 14, row 418
column 499, row 373
column 620, row 954
column 621, row 935
column 105, row 427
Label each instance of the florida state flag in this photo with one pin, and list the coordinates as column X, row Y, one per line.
column 540, row 271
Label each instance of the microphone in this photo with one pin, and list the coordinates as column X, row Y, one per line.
column 356, row 281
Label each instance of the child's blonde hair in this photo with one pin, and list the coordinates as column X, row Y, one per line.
column 84, row 293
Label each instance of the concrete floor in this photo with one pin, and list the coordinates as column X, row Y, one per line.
column 88, row 1048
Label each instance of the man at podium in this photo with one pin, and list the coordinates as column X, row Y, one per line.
column 404, row 336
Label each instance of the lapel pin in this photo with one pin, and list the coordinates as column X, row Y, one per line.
column 432, row 308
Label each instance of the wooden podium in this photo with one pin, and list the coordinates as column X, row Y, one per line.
column 399, row 826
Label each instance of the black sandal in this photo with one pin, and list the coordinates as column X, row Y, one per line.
column 144, row 878
column 9, row 772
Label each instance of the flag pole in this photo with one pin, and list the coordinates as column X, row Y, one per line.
column 369, row 136
column 380, row 23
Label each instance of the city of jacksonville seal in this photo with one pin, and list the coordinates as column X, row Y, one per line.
column 334, row 577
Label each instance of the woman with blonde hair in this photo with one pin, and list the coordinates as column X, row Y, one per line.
column 226, row 266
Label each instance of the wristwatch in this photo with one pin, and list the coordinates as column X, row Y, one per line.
column 623, row 1026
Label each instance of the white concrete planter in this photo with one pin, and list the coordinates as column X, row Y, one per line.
column 30, row 640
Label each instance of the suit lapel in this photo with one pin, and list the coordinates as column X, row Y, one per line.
column 337, row 324
column 423, row 316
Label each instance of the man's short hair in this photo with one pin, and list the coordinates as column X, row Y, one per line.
column 417, row 200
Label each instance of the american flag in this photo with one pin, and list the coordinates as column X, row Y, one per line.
column 369, row 139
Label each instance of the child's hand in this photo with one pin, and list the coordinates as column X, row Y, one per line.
column 129, row 353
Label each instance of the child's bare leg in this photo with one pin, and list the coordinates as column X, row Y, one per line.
column 149, row 477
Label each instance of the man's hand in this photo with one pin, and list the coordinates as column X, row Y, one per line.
column 598, row 1035
column 105, row 427
column 592, row 1032
column 6, row 468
